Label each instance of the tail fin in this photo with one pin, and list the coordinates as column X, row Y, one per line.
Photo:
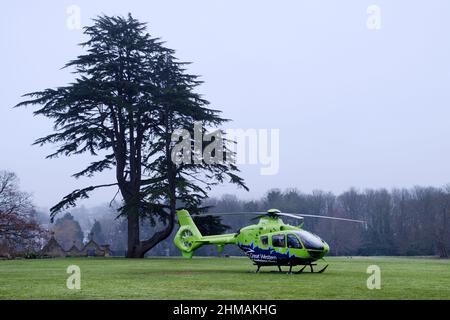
column 185, row 238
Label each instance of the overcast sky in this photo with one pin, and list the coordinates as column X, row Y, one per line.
column 355, row 106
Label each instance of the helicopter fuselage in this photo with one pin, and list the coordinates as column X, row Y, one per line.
column 271, row 242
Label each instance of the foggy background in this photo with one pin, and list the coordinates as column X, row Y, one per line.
column 355, row 107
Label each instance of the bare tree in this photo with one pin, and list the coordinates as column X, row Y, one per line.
column 19, row 231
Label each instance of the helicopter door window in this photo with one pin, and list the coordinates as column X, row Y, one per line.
column 278, row 240
column 293, row 242
column 265, row 240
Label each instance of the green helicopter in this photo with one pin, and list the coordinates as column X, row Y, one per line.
column 271, row 242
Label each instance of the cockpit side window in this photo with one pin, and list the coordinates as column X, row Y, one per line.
column 310, row 241
column 293, row 242
column 264, row 240
column 278, row 240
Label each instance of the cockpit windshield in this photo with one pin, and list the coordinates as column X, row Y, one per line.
column 310, row 241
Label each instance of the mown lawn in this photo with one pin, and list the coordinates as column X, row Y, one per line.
column 222, row 278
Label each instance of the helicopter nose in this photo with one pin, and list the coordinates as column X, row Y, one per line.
column 326, row 247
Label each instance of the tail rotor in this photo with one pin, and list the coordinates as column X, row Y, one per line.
column 186, row 237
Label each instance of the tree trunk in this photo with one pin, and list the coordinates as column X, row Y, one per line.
column 137, row 248
column 133, row 235
column 442, row 249
column 159, row 236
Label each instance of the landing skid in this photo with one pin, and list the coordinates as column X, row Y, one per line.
column 258, row 266
column 311, row 267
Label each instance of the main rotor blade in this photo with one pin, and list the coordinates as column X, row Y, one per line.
column 332, row 218
column 291, row 215
column 228, row 214
column 298, row 216
column 258, row 214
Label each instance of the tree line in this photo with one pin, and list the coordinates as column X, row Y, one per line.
column 399, row 222
column 405, row 222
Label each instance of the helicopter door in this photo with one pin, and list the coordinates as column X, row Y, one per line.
column 278, row 240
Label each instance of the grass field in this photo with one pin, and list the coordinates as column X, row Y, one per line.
column 222, row 278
